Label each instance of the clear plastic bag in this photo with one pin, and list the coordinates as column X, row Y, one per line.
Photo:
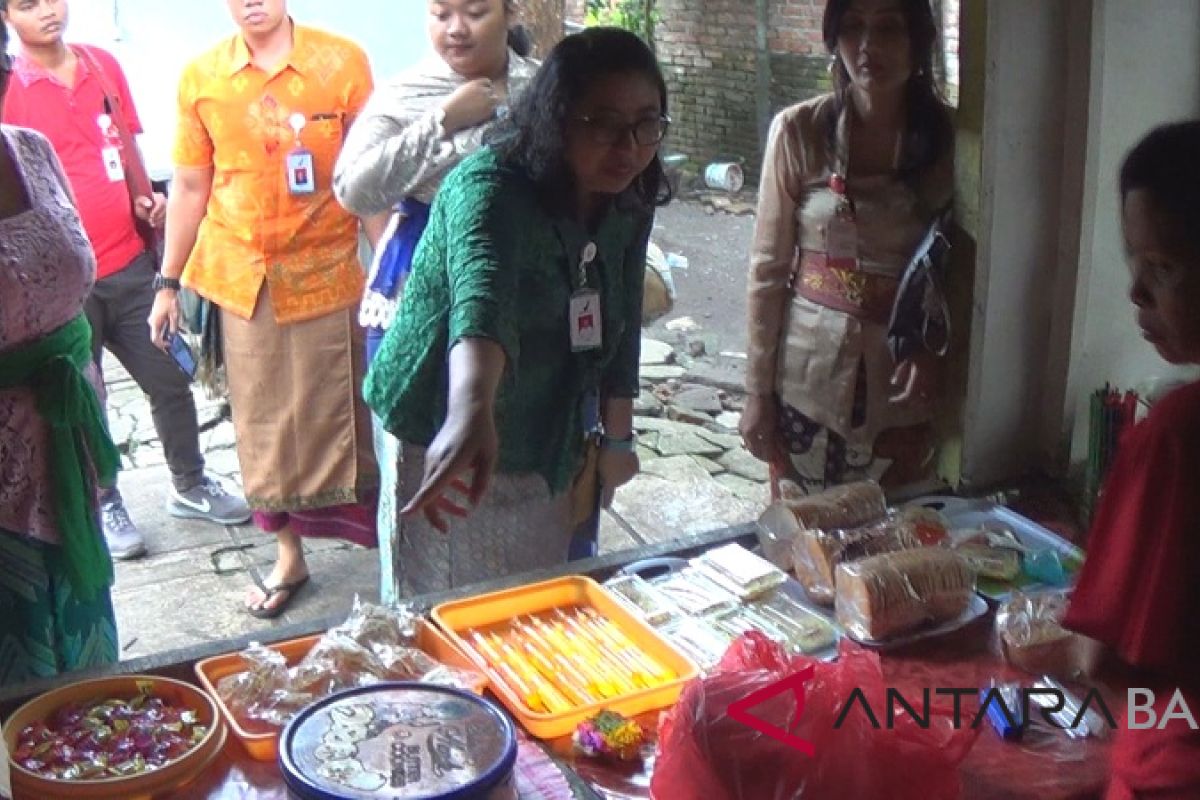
column 847, row 506
column 889, row 595
column 817, row 553
column 705, row 754
column 374, row 644
column 1031, row 636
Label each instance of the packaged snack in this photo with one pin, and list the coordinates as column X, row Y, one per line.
column 642, row 598
column 702, row 643
column 693, row 593
column 804, row 634
column 847, row 506
column 818, row 553
column 814, row 631
column 750, row 575
column 992, row 553
column 888, row 595
column 1031, row 635
column 928, row 524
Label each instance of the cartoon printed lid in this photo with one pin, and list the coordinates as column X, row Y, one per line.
column 401, row 741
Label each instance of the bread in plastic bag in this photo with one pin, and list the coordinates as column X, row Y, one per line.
column 816, row 553
column 704, row 754
column 847, row 506
column 1031, row 636
column 889, row 595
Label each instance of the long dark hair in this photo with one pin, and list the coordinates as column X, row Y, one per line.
column 1164, row 165
column 533, row 136
column 929, row 131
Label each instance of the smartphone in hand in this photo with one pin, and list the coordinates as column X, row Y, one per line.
column 181, row 354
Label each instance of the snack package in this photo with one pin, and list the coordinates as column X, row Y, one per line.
column 817, row 553
column 816, row 633
column 803, row 634
column 991, row 552
column 1031, row 636
column 886, row 596
column 847, row 506
column 374, row 644
column 642, row 598
column 930, row 527
column 736, row 568
column 777, row 530
column 705, row 752
column 694, row 593
column 700, row 641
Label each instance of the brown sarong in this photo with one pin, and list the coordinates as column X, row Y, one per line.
column 303, row 431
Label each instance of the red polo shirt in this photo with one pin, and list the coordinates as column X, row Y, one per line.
column 67, row 116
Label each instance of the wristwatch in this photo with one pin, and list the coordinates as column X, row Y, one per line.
column 627, row 445
column 162, row 282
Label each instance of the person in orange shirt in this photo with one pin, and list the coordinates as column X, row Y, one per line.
column 253, row 226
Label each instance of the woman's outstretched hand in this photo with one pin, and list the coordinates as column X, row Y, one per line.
column 458, row 467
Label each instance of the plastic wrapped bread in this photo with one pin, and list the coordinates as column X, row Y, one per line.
column 816, row 554
column 838, row 508
column 886, row 596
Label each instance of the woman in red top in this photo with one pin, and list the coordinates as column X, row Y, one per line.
column 1139, row 594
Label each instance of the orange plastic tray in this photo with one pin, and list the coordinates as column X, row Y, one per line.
column 499, row 607
column 264, row 746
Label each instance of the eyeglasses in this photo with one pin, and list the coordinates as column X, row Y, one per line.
column 609, row 131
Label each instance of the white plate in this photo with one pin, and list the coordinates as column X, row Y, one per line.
column 975, row 609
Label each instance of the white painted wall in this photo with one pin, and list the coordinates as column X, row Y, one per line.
column 1024, row 91
column 154, row 40
column 1145, row 70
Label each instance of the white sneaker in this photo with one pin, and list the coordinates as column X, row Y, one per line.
column 208, row 500
column 125, row 542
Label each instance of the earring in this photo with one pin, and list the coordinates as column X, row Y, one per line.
column 833, row 60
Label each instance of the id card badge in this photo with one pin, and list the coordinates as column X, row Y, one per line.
column 841, row 243
column 301, row 175
column 113, row 167
column 585, row 321
column 301, row 172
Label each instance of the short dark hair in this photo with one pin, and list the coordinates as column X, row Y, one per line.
column 533, row 136
column 1166, row 165
column 929, row 130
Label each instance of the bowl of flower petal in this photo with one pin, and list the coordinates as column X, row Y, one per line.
column 134, row 736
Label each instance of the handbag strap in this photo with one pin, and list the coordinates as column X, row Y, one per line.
column 136, row 174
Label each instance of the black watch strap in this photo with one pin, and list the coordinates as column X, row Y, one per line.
column 161, row 282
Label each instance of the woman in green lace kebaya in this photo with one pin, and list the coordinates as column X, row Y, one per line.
column 519, row 330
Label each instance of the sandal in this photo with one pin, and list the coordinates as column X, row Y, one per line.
column 262, row 611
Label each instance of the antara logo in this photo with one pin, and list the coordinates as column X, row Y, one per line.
column 1051, row 703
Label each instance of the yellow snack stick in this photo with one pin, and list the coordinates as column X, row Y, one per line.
column 585, row 657
column 597, row 657
column 507, row 675
column 554, row 700
column 547, row 657
column 575, row 691
column 612, row 633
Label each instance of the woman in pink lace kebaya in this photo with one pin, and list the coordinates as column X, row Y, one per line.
column 55, row 572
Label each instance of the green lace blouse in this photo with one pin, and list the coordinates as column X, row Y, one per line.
column 494, row 264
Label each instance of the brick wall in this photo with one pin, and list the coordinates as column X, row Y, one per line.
column 707, row 50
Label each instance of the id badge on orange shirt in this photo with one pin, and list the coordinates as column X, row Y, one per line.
column 841, row 243
column 301, row 175
column 584, row 316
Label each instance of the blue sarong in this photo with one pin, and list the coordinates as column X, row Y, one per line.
column 395, row 263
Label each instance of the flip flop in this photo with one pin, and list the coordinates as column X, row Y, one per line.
column 262, row 611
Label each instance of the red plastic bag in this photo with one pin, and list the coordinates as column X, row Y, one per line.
column 705, row 754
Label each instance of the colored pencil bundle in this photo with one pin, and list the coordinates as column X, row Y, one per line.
column 565, row 658
column 1110, row 415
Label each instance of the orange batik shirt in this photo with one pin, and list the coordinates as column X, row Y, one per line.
column 237, row 119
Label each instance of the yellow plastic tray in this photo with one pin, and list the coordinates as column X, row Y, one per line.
column 264, row 746
column 499, row 607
